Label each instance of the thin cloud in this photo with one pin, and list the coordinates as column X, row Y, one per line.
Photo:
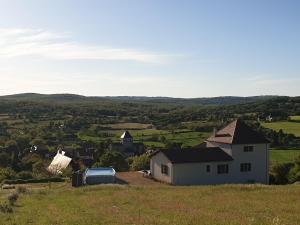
column 41, row 43
column 269, row 80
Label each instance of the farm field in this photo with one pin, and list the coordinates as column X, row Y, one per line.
column 287, row 127
column 161, row 204
column 150, row 137
column 137, row 126
column 295, row 118
column 283, row 156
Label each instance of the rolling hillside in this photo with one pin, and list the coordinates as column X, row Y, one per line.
column 223, row 100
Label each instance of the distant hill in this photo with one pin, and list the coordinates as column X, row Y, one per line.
column 222, row 100
column 72, row 98
column 39, row 97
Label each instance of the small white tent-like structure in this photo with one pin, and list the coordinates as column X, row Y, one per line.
column 59, row 163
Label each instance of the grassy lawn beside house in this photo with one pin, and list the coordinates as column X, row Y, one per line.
column 283, row 156
column 162, row 204
column 287, row 127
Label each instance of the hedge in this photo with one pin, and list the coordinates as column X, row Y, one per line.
column 28, row 181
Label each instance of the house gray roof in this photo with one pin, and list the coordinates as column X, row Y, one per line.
column 194, row 155
column 238, row 132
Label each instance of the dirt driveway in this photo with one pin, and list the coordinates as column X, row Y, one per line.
column 136, row 178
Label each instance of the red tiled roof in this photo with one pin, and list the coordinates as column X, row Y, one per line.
column 238, row 132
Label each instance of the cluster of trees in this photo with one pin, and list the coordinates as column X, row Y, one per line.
column 120, row 163
column 285, row 173
column 28, row 167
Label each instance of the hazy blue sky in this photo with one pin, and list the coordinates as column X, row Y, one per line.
column 150, row 47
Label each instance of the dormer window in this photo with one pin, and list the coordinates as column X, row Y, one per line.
column 248, row 148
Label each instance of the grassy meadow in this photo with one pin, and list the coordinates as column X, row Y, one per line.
column 149, row 135
column 287, row 127
column 130, row 204
column 283, row 156
column 297, row 118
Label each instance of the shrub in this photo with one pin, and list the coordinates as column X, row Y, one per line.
column 294, row 173
column 280, row 172
column 67, row 172
column 141, row 162
column 44, row 180
column 12, row 198
column 5, row 208
column 21, row 189
column 114, row 159
column 4, row 159
column 24, row 175
column 6, row 173
column 39, row 169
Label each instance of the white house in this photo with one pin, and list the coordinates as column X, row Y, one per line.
column 234, row 154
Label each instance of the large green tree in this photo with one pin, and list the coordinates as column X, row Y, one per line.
column 113, row 159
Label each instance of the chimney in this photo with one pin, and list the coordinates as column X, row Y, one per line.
column 214, row 132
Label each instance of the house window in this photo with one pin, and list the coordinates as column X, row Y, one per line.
column 208, row 168
column 223, row 168
column 248, row 148
column 245, row 167
column 164, row 169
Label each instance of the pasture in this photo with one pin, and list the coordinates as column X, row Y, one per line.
column 284, row 156
column 150, row 137
column 287, row 127
column 296, row 118
column 156, row 204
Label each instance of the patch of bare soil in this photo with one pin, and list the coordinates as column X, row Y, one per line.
column 136, row 178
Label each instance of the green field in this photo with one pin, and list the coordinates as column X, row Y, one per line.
column 170, row 205
column 187, row 137
column 297, row 118
column 283, row 156
column 287, row 127
column 129, row 126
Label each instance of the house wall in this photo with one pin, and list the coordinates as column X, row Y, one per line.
column 195, row 173
column 259, row 160
column 155, row 167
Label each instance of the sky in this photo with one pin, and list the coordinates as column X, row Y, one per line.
column 150, row 47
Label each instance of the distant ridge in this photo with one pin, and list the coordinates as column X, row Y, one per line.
column 73, row 98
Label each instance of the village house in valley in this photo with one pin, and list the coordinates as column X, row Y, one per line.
column 127, row 146
column 234, row 154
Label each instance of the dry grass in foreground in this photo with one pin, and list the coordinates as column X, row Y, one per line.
column 161, row 204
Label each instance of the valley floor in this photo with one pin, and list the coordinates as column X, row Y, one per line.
column 142, row 201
